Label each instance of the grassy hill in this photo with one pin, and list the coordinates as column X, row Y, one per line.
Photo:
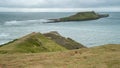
column 80, row 16
column 105, row 56
column 31, row 43
column 51, row 50
column 37, row 42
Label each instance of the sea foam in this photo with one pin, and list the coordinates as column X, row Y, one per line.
column 3, row 35
column 25, row 22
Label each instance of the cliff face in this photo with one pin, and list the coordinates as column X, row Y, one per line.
column 80, row 16
column 37, row 42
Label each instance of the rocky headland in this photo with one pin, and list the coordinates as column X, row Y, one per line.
column 80, row 16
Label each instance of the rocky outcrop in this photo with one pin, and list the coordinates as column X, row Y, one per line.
column 65, row 42
column 103, row 15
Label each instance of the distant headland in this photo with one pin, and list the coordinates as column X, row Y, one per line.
column 80, row 16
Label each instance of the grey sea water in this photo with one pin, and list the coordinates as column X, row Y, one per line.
column 90, row 33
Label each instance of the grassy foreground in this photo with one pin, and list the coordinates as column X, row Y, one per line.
column 106, row 56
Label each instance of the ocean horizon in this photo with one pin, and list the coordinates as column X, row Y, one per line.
column 102, row 31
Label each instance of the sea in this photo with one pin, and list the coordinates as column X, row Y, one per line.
column 98, row 32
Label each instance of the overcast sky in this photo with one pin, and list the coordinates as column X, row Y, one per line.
column 59, row 5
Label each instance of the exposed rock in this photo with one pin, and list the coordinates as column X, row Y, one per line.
column 65, row 42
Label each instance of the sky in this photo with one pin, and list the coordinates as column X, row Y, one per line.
column 59, row 5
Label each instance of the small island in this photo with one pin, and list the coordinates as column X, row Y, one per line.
column 80, row 16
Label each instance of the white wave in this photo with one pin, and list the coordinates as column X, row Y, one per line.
column 25, row 22
column 3, row 35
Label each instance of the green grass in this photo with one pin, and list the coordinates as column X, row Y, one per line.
column 37, row 42
column 32, row 43
column 105, row 56
column 38, row 51
column 81, row 16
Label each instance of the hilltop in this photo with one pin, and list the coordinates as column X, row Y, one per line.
column 38, row 42
column 80, row 16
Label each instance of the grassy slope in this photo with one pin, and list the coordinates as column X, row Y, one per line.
column 107, row 56
column 32, row 43
column 81, row 16
column 64, row 42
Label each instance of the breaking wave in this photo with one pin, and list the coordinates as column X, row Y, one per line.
column 26, row 22
column 3, row 35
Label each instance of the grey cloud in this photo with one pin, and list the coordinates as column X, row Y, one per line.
column 58, row 3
